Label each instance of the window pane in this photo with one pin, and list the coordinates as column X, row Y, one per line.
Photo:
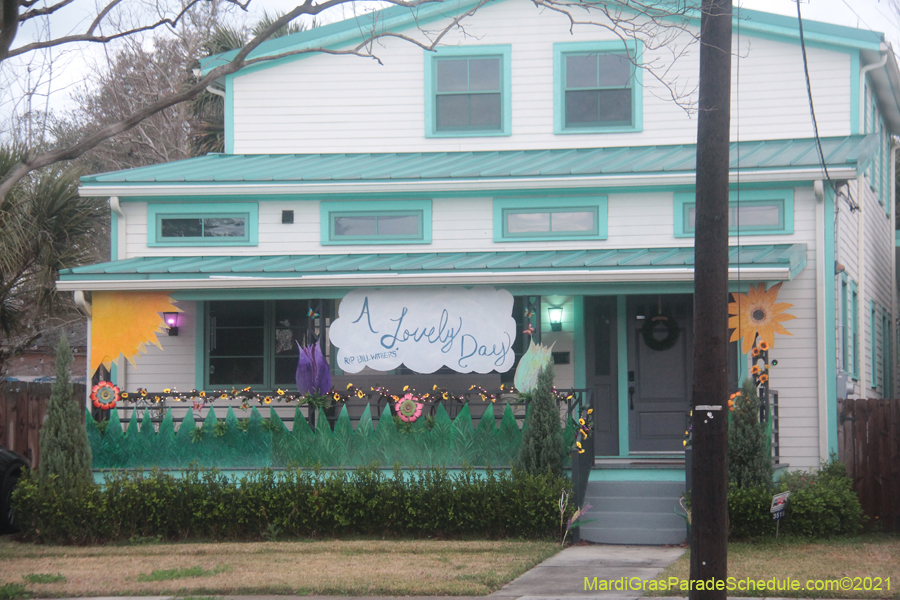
column 452, row 112
column 238, row 341
column 485, row 112
column 581, row 71
column 615, row 106
column 453, row 75
column 615, row 70
column 527, row 222
column 484, row 74
column 223, row 227
column 398, row 225
column 291, row 323
column 582, row 108
column 692, row 217
column 573, row 221
column 756, row 216
column 235, row 371
column 355, row 226
column 172, row 228
column 240, row 314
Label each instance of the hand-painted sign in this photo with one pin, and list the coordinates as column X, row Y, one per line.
column 425, row 329
column 779, row 503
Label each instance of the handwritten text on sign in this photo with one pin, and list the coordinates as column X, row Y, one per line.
column 425, row 329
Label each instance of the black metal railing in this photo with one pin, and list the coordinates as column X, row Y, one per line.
column 582, row 462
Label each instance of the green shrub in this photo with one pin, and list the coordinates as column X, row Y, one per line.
column 204, row 503
column 65, row 451
column 749, row 455
column 822, row 504
column 542, row 440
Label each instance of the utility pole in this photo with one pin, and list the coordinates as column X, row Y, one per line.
column 709, row 494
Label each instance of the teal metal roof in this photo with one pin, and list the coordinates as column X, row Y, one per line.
column 852, row 151
column 785, row 256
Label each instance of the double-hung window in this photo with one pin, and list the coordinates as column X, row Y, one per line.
column 548, row 219
column 202, row 224
column 376, row 222
column 598, row 87
column 750, row 212
column 467, row 91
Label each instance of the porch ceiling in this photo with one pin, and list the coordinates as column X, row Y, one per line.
column 779, row 262
column 771, row 160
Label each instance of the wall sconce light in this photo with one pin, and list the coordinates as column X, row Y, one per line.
column 555, row 313
column 171, row 319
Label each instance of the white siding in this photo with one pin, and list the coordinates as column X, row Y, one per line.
column 335, row 104
column 173, row 366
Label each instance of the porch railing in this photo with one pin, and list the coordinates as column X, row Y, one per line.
column 582, row 462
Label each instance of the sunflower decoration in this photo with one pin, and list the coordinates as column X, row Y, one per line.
column 408, row 409
column 757, row 314
column 105, row 395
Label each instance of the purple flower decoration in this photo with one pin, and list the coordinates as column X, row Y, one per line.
column 313, row 374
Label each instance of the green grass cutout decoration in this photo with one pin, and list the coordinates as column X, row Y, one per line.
column 261, row 443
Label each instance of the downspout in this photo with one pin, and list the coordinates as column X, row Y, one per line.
column 116, row 208
column 862, row 86
column 824, row 263
column 85, row 308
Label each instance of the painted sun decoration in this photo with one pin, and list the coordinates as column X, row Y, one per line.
column 757, row 313
column 123, row 323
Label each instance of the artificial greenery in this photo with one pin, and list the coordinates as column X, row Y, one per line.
column 207, row 504
column 255, row 442
column 65, row 451
column 542, row 439
column 749, row 455
column 822, row 504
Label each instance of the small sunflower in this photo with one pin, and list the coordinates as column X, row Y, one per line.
column 756, row 313
column 754, row 370
column 763, row 378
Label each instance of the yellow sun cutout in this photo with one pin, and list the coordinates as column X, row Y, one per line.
column 123, row 323
column 756, row 313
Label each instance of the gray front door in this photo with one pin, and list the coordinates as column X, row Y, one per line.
column 601, row 371
column 659, row 378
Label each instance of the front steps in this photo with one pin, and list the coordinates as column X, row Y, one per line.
column 634, row 512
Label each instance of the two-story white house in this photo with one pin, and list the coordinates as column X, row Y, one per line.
column 527, row 156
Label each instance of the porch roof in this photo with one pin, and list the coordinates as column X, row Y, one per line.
column 757, row 161
column 779, row 262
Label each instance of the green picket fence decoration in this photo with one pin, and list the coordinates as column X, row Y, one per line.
column 257, row 442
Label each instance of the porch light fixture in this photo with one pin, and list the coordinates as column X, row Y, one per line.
column 555, row 313
column 171, row 319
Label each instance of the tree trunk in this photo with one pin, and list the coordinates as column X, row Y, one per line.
column 709, row 502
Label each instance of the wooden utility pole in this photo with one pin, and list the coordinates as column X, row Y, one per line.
column 709, row 499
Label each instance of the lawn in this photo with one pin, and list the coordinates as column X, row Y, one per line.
column 397, row 568
column 869, row 556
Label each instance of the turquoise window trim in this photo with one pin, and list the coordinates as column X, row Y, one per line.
column 631, row 48
column 330, row 209
column 505, row 206
column 229, row 114
column 845, row 323
column 873, row 346
column 854, row 329
column 158, row 210
column 113, row 235
column 504, row 51
column 683, row 201
column 886, row 355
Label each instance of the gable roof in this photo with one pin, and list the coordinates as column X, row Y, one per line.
column 773, row 160
column 397, row 18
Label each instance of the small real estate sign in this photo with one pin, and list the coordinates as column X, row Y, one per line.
column 467, row 330
column 779, row 503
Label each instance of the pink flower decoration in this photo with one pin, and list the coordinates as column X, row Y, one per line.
column 408, row 409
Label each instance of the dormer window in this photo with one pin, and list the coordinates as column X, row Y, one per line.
column 467, row 91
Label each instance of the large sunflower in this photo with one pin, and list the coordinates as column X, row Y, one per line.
column 757, row 313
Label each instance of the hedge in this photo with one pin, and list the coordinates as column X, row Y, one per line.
column 207, row 504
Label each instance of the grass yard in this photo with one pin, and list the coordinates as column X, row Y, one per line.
column 397, row 568
column 858, row 557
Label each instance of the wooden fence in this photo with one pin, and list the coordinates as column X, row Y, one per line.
column 23, row 407
column 869, row 446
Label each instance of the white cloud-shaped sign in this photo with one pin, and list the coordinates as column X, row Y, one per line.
column 425, row 329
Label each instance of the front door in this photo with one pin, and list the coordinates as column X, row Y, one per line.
column 601, row 371
column 659, row 378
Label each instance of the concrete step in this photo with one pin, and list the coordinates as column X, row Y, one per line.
column 634, row 512
column 644, row 537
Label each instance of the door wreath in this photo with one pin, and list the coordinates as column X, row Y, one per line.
column 672, row 332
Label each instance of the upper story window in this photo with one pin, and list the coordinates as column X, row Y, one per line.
column 545, row 219
column 202, row 224
column 750, row 212
column 376, row 222
column 598, row 87
column 467, row 91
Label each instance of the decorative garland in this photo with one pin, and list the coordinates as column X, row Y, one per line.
column 672, row 332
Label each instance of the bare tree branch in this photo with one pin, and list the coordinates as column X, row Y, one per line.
column 46, row 10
